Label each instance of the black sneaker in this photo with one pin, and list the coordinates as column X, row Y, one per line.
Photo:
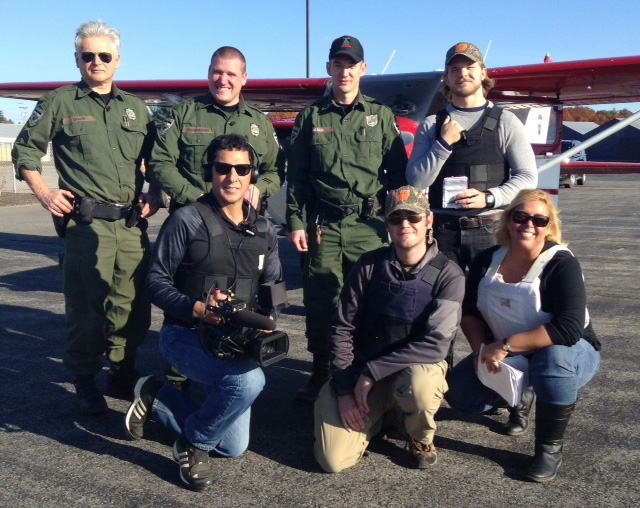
column 90, row 400
column 144, row 394
column 424, row 455
column 196, row 468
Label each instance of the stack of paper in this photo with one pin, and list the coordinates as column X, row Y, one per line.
column 453, row 185
column 510, row 381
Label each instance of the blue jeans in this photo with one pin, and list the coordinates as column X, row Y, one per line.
column 556, row 374
column 221, row 422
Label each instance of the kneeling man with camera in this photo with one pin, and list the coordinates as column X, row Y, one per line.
column 215, row 262
column 397, row 314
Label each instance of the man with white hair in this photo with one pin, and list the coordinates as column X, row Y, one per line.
column 100, row 136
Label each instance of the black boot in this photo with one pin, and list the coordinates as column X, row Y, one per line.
column 519, row 415
column 551, row 423
column 90, row 400
column 121, row 379
column 320, row 375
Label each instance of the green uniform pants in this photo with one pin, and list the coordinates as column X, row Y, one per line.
column 104, row 268
column 418, row 390
column 326, row 266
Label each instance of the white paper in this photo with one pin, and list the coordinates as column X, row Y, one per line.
column 451, row 186
column 510, row 382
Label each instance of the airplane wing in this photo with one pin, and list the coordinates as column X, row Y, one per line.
column 577, row 83
column 574, row 83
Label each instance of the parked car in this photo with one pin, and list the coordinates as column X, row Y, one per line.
column 569, row 181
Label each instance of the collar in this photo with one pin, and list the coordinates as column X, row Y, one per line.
column 329, row 102
column 207, row 101
column 429, row 255
column 83, row 90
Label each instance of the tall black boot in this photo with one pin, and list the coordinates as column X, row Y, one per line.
column 320, row 375
column 551, row 423
column 519, row 415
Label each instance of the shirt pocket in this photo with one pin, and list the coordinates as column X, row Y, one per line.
column 194, row 148
column 80, row 138
column 369, row 145
column 132, row 141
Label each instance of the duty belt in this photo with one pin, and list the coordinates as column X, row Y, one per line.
column 365, row 209
column 476, row 221
column 111, row 211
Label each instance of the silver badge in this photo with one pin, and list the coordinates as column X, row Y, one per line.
column 255, row 130
column 372, row 120
column 130, row 114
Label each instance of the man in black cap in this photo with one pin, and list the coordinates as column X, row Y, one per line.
column 346, row 153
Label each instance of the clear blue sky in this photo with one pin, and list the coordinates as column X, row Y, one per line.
column 174, row 39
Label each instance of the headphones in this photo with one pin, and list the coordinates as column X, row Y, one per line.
column 255, row 172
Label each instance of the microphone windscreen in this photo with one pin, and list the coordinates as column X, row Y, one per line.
column 249, row 319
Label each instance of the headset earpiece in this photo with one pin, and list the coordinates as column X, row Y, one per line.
column 255, row 173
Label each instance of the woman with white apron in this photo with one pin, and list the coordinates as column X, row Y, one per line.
column 527, row 297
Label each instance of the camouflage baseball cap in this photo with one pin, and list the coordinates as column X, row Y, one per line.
column 466, row 49
column 406, row 198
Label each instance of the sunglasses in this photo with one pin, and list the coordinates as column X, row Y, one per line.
column 88, row 57
column 396, row 220
column 539, row 221
column 222, row 168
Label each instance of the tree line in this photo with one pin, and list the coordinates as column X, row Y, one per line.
column 602, row 116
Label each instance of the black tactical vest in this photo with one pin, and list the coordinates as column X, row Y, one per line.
column 223, row 257
column 479, row 158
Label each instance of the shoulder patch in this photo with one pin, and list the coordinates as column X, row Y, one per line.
column 35, row 117
column 165, row 125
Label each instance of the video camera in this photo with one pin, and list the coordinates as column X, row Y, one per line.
column 243, row 334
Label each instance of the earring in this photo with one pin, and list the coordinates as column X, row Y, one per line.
column 430, row 239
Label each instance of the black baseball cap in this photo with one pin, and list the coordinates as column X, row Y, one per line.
column 348, row 46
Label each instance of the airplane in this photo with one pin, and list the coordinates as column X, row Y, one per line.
column 536, row 93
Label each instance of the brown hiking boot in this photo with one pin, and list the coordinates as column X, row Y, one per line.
column 425, row 455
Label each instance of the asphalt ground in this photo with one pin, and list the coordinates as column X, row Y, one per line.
column 52, row 456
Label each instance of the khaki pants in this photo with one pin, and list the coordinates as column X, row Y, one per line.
column 417, row 390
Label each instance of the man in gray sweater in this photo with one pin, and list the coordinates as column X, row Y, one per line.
column 483, row 147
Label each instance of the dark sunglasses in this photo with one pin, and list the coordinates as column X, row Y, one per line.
column 539, row 221
column 87, row 57
column 222, row 168
column 396, row 220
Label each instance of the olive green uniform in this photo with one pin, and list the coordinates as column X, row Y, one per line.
column 341, row 163
column 98, row 151
column 177, row 156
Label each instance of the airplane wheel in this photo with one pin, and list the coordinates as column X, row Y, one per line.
column 582, row 179
column 571, row 182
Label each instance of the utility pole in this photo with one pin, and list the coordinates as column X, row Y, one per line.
column 308, row 38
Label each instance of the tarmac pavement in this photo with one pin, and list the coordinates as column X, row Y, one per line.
column 52, row 456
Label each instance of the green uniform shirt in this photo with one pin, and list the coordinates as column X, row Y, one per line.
column 343, row 158
column 177, row 156
column 97, row 149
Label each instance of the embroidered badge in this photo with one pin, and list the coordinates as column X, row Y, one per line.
column 166, row 124
column 255, row 130
column 372, row 120
column 38, row 111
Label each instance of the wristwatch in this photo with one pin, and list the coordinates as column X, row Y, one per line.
column 490, row 199
column 506, row 347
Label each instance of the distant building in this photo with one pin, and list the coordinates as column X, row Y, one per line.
column 577, row 130
column 622, row 146
column 8, row 134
